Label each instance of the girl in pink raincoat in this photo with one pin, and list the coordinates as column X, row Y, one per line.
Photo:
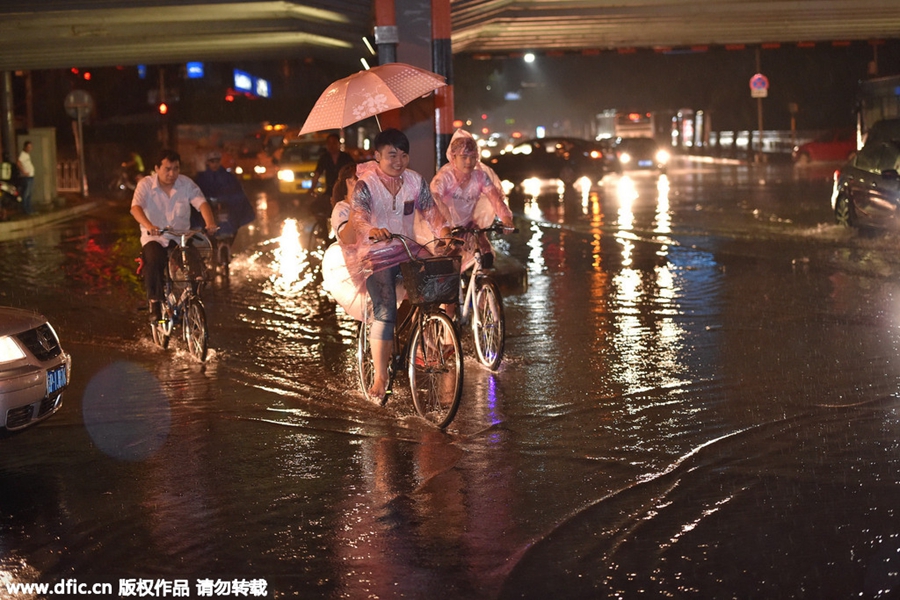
column 469, row 194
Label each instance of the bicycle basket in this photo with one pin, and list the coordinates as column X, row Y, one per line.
column 432, row 280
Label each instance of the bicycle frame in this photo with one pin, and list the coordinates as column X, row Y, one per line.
column 183, row 305
column 467, row 299
column 426, row 342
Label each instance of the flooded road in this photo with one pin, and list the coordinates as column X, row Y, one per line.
column 698, row 399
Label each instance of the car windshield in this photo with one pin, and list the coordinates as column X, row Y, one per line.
column 637, row 144
column 307, row 152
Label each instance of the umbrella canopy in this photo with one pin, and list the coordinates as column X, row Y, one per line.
column 370, row 93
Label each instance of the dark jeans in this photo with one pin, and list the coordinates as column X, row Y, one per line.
column 155, row 257
column 27, row 184
column 382, row 289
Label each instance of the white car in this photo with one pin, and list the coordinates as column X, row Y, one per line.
column 34, row 369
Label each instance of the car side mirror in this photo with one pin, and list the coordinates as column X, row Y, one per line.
column 891, row 174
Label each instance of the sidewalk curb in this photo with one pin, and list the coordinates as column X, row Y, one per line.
column 27, row 224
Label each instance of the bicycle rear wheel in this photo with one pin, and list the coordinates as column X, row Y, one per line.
column 489, row 324
column 435, row 368
column 196, row 334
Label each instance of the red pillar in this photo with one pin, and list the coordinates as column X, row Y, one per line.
column 442, row 59
column 386, row 39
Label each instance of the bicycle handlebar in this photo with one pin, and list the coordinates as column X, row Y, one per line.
column 495, row 227
column 186, row 233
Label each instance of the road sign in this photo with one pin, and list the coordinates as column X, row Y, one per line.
column 79, row 104
column 759, row 86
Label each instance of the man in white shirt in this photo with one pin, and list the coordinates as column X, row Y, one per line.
column 164, row 199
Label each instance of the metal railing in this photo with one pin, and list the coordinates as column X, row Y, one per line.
column 68, row 176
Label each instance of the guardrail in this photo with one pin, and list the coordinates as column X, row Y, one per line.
column 68, row 176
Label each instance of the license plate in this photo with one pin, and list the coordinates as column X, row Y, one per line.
column 645, row 163
column 307, row 184
column 56, row 379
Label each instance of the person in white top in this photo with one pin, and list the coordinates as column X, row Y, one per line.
column 389, row 198
column 164, row 199
column 26, row 177
column 340, row 205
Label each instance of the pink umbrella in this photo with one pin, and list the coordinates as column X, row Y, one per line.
column 370, row 93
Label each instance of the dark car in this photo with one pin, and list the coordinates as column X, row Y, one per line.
column 867, row 189
column 837, row 145
column 641, row 153
column 563, row 158
column 34, row 369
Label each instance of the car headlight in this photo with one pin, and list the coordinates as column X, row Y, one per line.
column 238, row 170
column 662, row 156
column 10, row 350
column 286, row 175
column 624, row 157
column 259, row 170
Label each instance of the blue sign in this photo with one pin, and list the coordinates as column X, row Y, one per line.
column 243, row 82
column 142, row 71
column 195, row 70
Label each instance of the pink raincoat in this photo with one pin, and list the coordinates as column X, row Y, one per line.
column 472, row 200
column 412, row 213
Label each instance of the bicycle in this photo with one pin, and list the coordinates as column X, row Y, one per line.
column 425, row 340
column 319, row 236
column 480, row 301
column 221, row 244
column 184, row 279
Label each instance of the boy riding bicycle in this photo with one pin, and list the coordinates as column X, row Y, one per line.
column 388, row 198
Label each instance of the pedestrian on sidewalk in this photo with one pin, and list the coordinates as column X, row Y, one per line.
column 26, row 177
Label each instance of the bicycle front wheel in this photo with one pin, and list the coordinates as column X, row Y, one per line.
column 489, row 324
column 317, row 244
column 196, row 334
column 160, row 331
column 435, row 368
column 366, row 367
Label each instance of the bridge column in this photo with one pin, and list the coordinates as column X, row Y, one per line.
column 442, row 58
column 7, row 117
column 417, row 32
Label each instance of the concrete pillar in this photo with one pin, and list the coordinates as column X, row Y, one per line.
column 417, row 118
column 7, row 117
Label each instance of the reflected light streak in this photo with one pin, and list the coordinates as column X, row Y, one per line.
column 627, row 194
column 533, row 211
column 663, row 215
column 290, row 259
column 583, row 186
column 536, row 254
column 492, row 400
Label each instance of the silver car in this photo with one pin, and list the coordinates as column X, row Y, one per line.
column 34, row 369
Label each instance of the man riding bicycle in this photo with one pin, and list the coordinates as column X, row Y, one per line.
column 164, row 199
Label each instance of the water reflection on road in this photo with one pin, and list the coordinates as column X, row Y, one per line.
column 698, row 398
